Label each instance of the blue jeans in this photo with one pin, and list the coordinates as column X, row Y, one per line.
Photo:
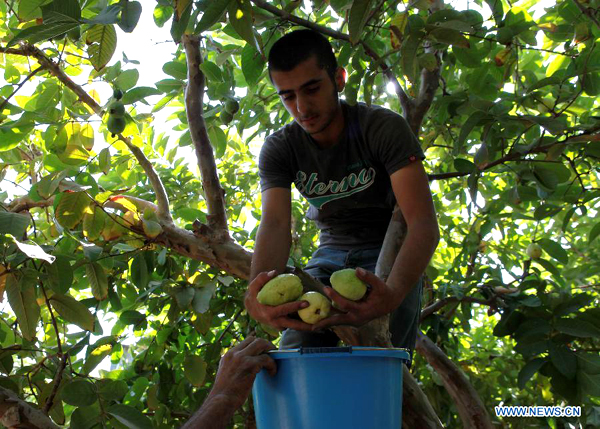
column 325, row 261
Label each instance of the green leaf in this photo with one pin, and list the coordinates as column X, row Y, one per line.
column 79, row 393
column 555, row 250
column 184, row 297
column 104, row 160
column 71, row 208
column 132, row 317
column 130, row 16
column 109, row 15
column 60, row 275
column 594, row 233
column 74, row 155
column 213, row 14
column 22, row 299
column 450, row 37
column 358, row 18
column 529, row 370
column 138, row 272
column 577, row 328
column 181, row 21
column 129, row 416
column 409, row 57
column 102, row 42
column 589, row 383
column 72, row 311
column 61, row 10
column 202, row 297
column 98, row 281
column 573, row 304
column 127, row 80
column 139, row 94
column 29, row 9
column 10, row 138
column 194, row 369
column 497, row 10
column 563, row 359
column 477, row 118
column 591, row 84
column 252, row 65
column 14, row 223
column 589, row 362
column 96, row 356
column 34, row 251
column 177, row 69
column 546, row 210
column 113, row 390
column 211, row 71
column 240, row 17
column 93, row 222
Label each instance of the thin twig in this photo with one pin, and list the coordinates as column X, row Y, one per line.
column 19, row 86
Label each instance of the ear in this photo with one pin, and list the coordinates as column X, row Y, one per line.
column 340, row 79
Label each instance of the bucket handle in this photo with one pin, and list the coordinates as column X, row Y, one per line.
column 310, row 350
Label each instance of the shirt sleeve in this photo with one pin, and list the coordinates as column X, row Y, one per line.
column 392, row 140
column 273, row 166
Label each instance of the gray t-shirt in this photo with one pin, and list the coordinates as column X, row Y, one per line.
column 347, row 185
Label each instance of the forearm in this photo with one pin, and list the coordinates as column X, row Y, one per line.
column 215, row 413
column 272, row 249
column 412, row 259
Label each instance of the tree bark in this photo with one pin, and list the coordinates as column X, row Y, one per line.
column 18, row 414
column 470, row 407
column 194, row 94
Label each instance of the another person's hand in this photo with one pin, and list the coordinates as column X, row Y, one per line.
column 238, row 369
column 275, row 316
column 380, row 300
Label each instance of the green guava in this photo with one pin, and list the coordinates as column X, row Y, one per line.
column 317, row 310
column 115, row 124
column 348, row 285
column 534, row 251
column 283, row 288
column 116, row 109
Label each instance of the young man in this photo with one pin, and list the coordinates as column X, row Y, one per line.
column 352, row 163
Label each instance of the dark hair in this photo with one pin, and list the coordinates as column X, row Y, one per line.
column 297, row 47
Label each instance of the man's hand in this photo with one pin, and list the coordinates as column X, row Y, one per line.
column 276, row 316
column 380, row 300
column 238, row 369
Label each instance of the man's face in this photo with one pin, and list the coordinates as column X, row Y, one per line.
column 310, row 96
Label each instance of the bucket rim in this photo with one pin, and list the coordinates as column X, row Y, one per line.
column 310, row 352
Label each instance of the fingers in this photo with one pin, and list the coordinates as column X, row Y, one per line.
column 341, row 302
column 288, row 308
column 338, row 319
column 266, row 362
column 241, row 346
column 259, row 281
column 369, row 278
column 258, row 346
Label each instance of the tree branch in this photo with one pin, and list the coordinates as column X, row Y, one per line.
column 589, row 12
column 16, row 413
column 19, row 86
column 194, row 93
column 470, row 407
column 591, row 135
column 429, row 310
column 161, row 196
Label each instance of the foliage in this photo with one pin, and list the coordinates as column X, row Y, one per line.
column 511, row 139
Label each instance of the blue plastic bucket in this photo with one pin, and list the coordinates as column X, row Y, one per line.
column 330, row 388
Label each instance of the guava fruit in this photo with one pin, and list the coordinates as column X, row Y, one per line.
column 226, row 117
column 117, row 94
column 283, row 288
column 232, row 106
column 534, row 251
column 317, row 310
column 115, row 124
column 151, row 228
column 348, row 285
column 116, row 109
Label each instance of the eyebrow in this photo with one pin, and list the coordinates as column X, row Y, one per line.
column 304, row 85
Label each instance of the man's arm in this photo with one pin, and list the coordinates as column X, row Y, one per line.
column 271, row 252
column 235, row 377
column 274, row 237
column 411, row 188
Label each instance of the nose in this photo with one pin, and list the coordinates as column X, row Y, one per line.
column 302, row 105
